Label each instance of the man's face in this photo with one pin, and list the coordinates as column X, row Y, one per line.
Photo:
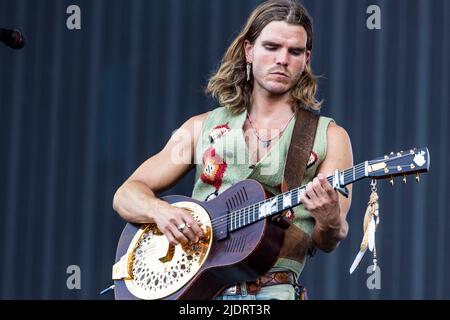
column 279, row 57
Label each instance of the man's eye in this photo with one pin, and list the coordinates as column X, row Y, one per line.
column 271, row 48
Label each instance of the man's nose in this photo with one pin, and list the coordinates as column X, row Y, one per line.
column 282, row 58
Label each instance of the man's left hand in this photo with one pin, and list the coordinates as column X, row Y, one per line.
column 322, row 201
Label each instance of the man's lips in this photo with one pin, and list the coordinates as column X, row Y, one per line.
column 280, row 74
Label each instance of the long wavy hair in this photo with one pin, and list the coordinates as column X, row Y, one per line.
column 229, row 84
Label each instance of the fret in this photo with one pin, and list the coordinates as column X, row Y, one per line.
column 233, row 220
column 247, row 214
column 280, row 203
column 238, row 219
column 246, row 220
column 295, row 197
column 287, row 200
column 241, row 219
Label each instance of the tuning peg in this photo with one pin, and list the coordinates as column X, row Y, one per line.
column 417, row 177
column 404, row 179
column 391, row 181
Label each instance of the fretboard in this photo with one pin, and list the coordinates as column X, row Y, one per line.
column 290, row 199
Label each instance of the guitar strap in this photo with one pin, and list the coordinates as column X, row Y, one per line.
column 297, row 243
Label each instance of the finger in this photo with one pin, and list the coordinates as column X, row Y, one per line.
column 332, row 192
column 327, row 187
column 307, row 203
column 179, row 236
column 171, row 239
column 194, row 226
column 310, row 191
column 318, row 188
column 324, row 181
column 188, row 233
column 192, row 223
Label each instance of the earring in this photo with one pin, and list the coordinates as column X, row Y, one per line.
column 249, row 70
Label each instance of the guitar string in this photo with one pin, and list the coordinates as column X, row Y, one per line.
column 218, row 222
column 245, row 214
column 356, row 170
column 242, row 215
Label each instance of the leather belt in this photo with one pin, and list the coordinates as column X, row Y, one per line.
column 266, row 280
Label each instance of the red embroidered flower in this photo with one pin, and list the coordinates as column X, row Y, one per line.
column 213, row 168
column 290, row 215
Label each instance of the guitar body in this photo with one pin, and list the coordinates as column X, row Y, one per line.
column 231, row 257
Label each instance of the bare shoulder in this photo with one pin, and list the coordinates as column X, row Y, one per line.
column 165, row 168
column 339, row 149
column 196, row 120
column 192, row 128
column 337, row 134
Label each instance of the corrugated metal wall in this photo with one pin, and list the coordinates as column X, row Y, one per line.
column 80, row 110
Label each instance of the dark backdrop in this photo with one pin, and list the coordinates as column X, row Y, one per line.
column 80, row 110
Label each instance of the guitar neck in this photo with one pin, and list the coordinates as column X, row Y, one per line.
column 290, row 199
column 402, row 163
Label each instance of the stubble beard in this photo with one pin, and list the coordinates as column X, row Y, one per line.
column 276, row 91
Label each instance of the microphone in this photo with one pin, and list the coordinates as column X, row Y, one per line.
column 12, row 38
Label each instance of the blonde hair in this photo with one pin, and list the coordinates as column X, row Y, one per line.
column 229, row 84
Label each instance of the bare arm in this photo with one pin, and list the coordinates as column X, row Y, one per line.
column 135, row 200
column 325, row 204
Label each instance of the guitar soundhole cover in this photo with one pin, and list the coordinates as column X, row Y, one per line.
column 160, row 269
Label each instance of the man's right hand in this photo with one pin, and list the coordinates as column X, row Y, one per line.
column 177, row 224
column 135, row 200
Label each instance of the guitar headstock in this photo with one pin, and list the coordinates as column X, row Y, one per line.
column 402, row 163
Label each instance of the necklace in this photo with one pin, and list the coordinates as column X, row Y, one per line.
column 266, row 143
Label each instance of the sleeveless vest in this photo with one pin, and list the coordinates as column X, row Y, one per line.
column 222, row 158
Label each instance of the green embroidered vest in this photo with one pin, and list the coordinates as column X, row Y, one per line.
column 222, row 159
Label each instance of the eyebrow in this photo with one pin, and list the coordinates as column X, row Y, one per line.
column 271, row 43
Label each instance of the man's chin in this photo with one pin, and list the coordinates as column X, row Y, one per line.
column 278, row 90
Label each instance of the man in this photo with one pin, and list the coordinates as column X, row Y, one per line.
column 265, row 76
